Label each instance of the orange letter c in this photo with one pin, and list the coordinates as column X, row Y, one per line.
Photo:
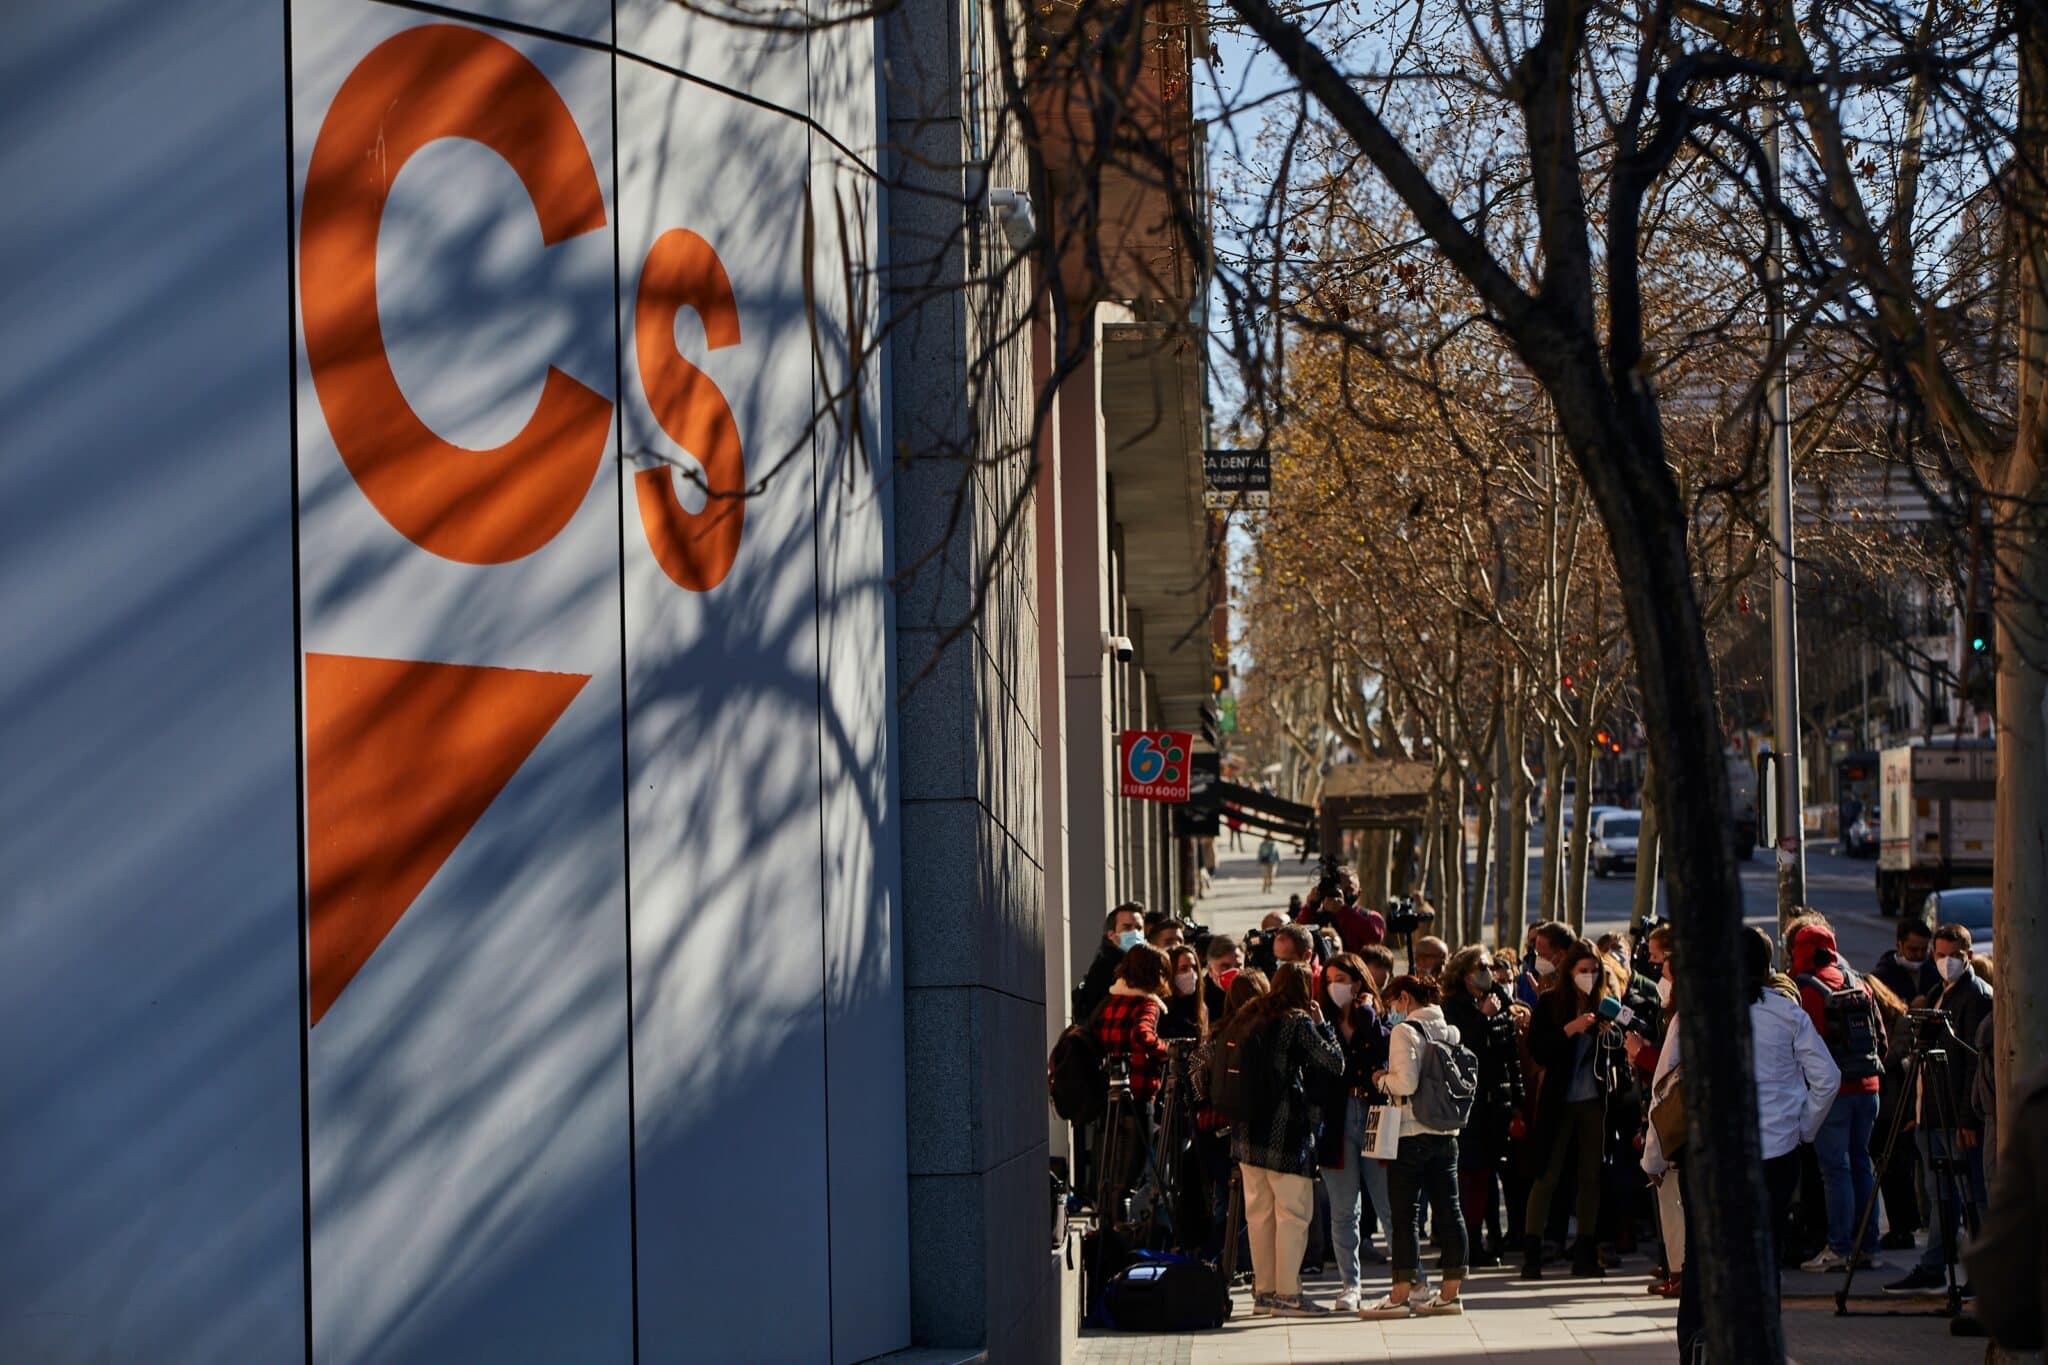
column 436, row 81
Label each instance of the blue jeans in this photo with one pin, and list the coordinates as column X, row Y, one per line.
column 1935, row 1146
column 1426, row 1168
column 1345, row 1184
column 1843, row 1149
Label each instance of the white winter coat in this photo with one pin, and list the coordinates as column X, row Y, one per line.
column 1404, row 1065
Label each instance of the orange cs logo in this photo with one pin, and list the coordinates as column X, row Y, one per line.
column 493, row 506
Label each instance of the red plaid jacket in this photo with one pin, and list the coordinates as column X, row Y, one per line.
column 1128, row 1025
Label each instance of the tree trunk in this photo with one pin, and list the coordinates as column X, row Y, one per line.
column 1646, row 856
column 2020, row 867
column 1451, row 878
column 1553, row 811
column 1475, row 893
column 1582, row 839
column 1621, row 456
column 1510, row 833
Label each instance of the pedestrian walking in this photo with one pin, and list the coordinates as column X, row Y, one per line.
column 1275, row 1145
column 1426, row 1165
column 1269, row 862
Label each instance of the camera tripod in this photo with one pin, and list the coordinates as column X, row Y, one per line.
column 1926, row 1074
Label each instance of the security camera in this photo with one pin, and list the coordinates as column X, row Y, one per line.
column 1012, row 209
column 1120, row 646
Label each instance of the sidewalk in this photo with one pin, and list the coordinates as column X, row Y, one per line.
column 1549, row 1322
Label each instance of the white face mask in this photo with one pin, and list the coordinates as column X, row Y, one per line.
column 1587, row 982
column 1664, row 993
column 1341, row 993
column 1953, row 966
column 1545, row 967
column 1185, row 982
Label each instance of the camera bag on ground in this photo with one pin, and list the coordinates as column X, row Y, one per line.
column 1105, row 1252
column 1164, row 1292
column 1076, row 1076
column 1241, row 1080
column 1447, row 1081
column 1854, row 1027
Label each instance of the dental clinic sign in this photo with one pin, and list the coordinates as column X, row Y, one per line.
column 1153, row 765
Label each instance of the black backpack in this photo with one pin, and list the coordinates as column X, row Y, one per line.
column 1163, row 1292
column 1076, row 1075
column 1854, row 1031
column 1241, row 1079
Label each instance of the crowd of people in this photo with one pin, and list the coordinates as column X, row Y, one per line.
column 1495, row 1107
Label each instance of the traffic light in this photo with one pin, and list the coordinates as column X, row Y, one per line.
column 1977, row 630
column 1601, row 738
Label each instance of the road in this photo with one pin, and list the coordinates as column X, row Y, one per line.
column 1841, row 888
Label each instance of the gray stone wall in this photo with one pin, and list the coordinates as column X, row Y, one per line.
column 982, row 1273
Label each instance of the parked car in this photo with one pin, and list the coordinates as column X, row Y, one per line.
column 1969, row 906
column 1615, row 833
column 1593, row 813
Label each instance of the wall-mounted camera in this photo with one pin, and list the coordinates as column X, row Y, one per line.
column 1012, row 209
column 1119, row 646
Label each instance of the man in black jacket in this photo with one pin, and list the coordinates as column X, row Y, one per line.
column 1907, row 969
column 1122, row 930
column 1966, row 1000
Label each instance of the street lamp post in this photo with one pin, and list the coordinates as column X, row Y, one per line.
column 1790, row 844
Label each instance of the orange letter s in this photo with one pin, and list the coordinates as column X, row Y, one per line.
column 696, row 549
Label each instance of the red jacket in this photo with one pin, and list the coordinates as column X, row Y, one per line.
column 1813, row 954
column 1356, row 926
column 1128, row 1025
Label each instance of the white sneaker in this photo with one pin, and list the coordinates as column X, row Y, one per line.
column 1347, row 1302
column 1386, row 1308
column 1434, row 1305
column 1827, row 1263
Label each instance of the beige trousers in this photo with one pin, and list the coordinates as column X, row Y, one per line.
column 1277, row 1210
column 1671, row 1221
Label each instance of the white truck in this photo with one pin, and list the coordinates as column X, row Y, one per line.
column 1937, row 818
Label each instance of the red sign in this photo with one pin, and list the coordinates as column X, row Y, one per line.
column 1152, row 765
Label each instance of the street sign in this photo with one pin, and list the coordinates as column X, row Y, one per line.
column 1237, row 478
column 1153, row 765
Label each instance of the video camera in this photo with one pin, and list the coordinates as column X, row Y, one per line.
column 1931, row 1030
column 1405, row 917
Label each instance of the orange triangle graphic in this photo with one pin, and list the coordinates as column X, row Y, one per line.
column 402, row 757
